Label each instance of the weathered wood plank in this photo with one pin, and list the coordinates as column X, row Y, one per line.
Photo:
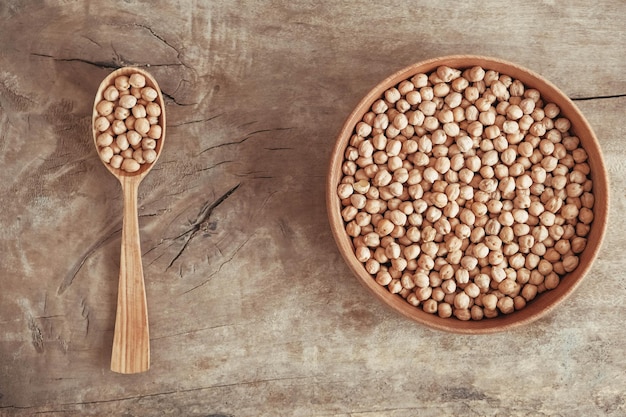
column 252, row 310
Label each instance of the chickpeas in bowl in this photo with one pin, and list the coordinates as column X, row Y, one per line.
column 468, row 193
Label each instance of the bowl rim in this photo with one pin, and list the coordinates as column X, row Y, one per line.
column 544, row 303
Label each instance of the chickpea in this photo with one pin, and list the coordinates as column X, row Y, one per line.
column 130, row 165
column 506, row 305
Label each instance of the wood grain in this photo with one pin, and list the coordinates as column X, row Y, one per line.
column 253, row 312
column 131, row 338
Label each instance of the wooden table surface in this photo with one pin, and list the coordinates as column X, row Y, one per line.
column 252, row 310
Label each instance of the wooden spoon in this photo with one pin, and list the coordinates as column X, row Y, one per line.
column 131, row 341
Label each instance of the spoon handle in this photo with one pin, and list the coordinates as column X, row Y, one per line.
column 131, row 340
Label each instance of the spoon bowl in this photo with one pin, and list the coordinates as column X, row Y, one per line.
column 150, row 82
column 131, row 340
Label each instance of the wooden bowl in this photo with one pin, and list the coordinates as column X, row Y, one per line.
column 545, row 302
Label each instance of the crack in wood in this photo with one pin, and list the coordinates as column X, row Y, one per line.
column 165, row 42
column 109, row 65
column 36, row 335
column 219, row 268
column 91, row 40
column 69, row 278
column 207, row 168
column 255, row 175
column 191, row 331
column 164, row 393
column 245, row 138
column 201, row 219
column 215, row 165
column 597, row 97
column 153, row 33
column 176, row 101
column 45, row 302
column 155, row 247
column 99, row 64
column 190, row 122
column 85, row 315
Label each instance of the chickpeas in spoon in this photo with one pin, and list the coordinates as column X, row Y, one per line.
column 129, row 132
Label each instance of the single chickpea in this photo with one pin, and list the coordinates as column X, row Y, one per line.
column 429, row 306
column 115, row 148
column 105, row 108
column 471, row 114
column 130, row 122
column 116, row 161
column 462, row 314
column 551, row 110
column 444, row 310
column 476, row 313
column 106, row 154
column 149, row 94
column 129, row 153
column 461, row 301
column 571, row 142
column 585, row 216
column 474, row 74
column 130, row 165
column 472, row 290
column 582, row 229
column 383, row 278
column 551, row 281
column 104, row 139
column 507, row 286
column 448, row 286
column 490, row 301
column 547, row 218
column 525, row 122
column 423, row 293
column 510, row 127
column 569, row 211
column 421, row 280
column 519, row 302
column 111, row 93
column 529, row 292
column 570, row 263
column 138, row 156
column 101, row 124
column 380, row 106
column 578, row 244
column 506, row 305
column 527, row 106
column 128, row 101
column 122, row 83
column 137, row 80
column 516, row 89
column 489, row 158
column 462, row 276
column 562, row 125
column 372, row 240
column 413, row 300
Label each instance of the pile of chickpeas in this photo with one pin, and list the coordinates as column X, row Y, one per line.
column 127, row 123
column 466, row 193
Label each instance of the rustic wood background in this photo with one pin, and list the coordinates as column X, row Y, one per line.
column 252, row 310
